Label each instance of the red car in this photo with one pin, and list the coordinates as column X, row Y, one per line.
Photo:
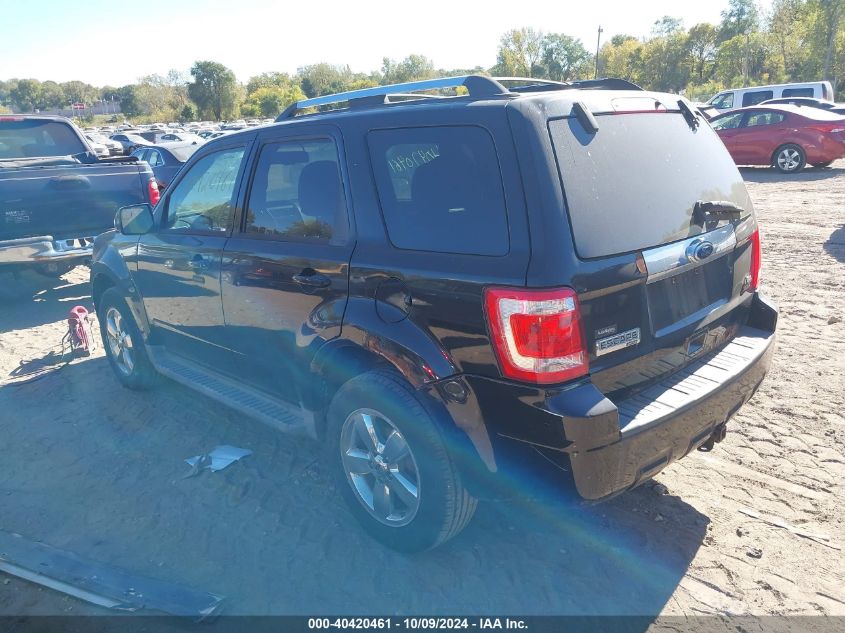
column 783, row 136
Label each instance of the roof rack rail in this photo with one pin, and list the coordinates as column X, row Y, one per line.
column 540, row 85
column 477, row 85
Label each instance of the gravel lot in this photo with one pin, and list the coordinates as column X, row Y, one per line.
column 90, row 467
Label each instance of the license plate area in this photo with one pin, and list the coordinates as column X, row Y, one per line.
column 673, row 299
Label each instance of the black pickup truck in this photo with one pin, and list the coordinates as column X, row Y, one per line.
column 56, row 196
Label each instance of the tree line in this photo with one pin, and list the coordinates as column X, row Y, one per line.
column 798, row 40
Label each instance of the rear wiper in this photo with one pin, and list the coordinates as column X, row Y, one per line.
column 715, row 210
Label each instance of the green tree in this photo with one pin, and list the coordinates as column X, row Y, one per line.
column 564, row 57
column 740, row 18
column 26, row 95
column 323, row 79
column 412, row 68
column 268, row 80
column 701, row 51
column 519, row 53
column 622, row 57
column 51, row 96
column 214, row 90
column 79, row 92
column 271, row 100
column 188, row 113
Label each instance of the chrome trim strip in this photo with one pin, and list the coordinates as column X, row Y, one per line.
column 672, row 259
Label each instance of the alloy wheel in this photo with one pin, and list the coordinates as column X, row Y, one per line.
column 120, row 341
column 789, row 159
column 380, row 467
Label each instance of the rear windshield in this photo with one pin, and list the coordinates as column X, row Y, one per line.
column 34, row 138
column 633, row 184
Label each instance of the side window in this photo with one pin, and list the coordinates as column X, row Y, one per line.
column 154, row 158
column 723, row 101
column 763, row 118
column 797, row 92
column 204, row 199
column 441, row 189
column 753, row 98
column 141, row 153
column 729, row 122
column 297, row 193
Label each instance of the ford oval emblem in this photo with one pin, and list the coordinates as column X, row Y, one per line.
column 703, row 250
column 699, row 250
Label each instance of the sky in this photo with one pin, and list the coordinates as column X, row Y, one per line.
column 114, row 42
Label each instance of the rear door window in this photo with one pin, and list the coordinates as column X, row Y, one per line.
column 758, row 96
column 297, row 193
column 441, row 189
column 763, row 118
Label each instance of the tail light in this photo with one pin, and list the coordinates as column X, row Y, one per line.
column 537, row 334
column 756, row 261
column 154, row 193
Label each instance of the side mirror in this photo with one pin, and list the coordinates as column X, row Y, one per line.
column 136, row 219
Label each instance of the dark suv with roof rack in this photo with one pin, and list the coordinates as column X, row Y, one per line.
column 444, row 291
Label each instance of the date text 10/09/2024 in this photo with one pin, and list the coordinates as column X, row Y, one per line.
column 417, row 623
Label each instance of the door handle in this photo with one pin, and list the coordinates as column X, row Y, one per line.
column 312, row 279
column 198, row 262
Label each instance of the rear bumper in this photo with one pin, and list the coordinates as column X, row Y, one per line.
column 611, row 447
column 670, row 419
column 44, row 249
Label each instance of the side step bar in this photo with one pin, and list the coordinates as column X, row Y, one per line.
column 250, row 402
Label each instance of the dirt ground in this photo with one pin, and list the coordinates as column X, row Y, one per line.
column 93, row 468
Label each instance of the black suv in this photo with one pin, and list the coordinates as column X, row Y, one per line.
column 442, row 288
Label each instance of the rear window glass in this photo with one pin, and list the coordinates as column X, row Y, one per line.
column 798, row 92
column 441, row 189
column 34, row 138
column 633, row 184
column 753, row 98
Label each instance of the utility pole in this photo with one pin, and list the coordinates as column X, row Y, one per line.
column 598, row 46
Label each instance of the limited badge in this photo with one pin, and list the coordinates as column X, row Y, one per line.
column 619, row 341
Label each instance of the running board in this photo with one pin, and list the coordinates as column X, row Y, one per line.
column 251, row 402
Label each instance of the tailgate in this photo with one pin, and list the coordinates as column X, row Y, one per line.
column 662, row 283
column 66, row 201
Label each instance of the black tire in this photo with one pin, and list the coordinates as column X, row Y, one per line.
column 444, row 505
column 822, row 165
column 54, row 270
column 789, row 159
column 141, row 375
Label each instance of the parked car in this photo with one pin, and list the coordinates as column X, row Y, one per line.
column 836, row 108
column 736, row 98
column 166, row 160
column 114, row 147
column 99, row 149
column 783, row 136
column 391, row 280
column 181, row 137
column 55, row 195
column 130, row 142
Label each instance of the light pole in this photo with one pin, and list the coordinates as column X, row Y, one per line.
column 598, row 45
